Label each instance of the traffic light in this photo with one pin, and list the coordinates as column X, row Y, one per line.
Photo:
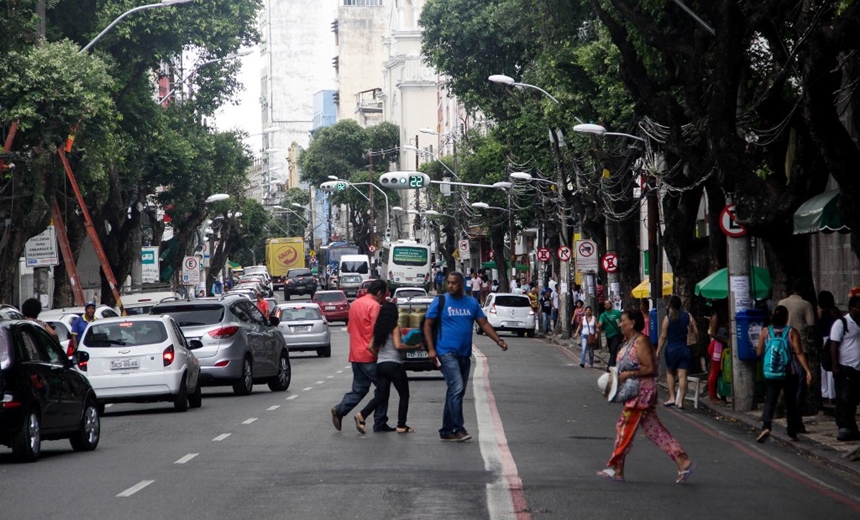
column 404, row 180
column 331, row 186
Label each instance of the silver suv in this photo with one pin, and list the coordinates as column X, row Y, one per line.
column 235, row 344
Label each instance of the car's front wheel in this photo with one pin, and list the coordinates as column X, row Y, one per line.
column 89, row 432
column 245, row 384
column 27, row 442
column 281, row 382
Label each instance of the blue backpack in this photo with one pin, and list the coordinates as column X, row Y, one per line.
column 777, row 354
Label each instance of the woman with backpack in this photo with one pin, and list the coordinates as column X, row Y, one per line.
column 389, row 369
column 779, row 344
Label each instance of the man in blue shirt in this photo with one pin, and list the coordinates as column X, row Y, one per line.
column 452, row 350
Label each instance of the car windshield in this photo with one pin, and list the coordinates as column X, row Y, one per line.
column 512, row 301
column 329, row 297
column 124, row 333
column 134, row 311
column 410, row 294
column 300, row 314
column 299, row 272
column 191, row 315
column 350, row 278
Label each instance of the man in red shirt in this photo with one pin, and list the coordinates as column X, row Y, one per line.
column 362, row 318
column 263, row 305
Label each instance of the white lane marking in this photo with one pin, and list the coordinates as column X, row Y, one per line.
column 290, row 398
column 275, row 407
column 320, row 382
column 186, row 458
column 330, row 377
column 305, row 389
column 221, row 437
column 505, row 493
column 347, row 368
column 340, row 371
column 249, row 421
column 135, row 488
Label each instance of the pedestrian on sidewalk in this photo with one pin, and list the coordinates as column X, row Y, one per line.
column 828, row 314
column 545, row 302
column 453, row 349
column 719, row 339
column 362, row 318
column 555, row 305
column 679, row 359
column 609, row 323
column 845, row 351
column 389, row 369
column 641, row 410
column 578, row 313
column 801, row 317
column 780, row 345
column 586, row 331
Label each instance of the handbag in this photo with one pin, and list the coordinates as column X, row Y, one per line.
column 592, row 340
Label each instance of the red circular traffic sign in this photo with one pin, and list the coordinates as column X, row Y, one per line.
column 371, row 248
column 729, row 224
column 543, row 254
column 610, row 263
column 564, row 253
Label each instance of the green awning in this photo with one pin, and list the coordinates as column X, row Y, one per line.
column 820, row 213
column 492, row 265
column 234, row 265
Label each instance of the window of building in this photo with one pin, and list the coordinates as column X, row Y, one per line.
column 362, row 2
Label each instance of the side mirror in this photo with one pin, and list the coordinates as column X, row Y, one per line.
column 80, row 357
column 274, row 321
column 195, row 344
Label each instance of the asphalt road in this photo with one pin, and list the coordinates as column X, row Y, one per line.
column 540, row 428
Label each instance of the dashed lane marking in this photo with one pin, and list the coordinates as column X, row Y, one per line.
column 249, row 421
column 330, row 377
column 320, row 382
column 135, row 488
column 340, row 371
column 186, row 458
column 275, row 407
column 221, row 437
column 290, row 398
column 305, row 389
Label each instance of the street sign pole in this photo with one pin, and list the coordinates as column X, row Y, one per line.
column 737, row 249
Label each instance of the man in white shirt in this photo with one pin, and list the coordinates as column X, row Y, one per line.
column 475, row 287
column 845, row 351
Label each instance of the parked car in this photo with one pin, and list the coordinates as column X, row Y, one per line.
column 64, row 333
column 251, row 285
column 264, row 282
column 141, row 303
column 234, row 343
column 350, row 284
column 305, row 328
column 9, row 312
column 404, row 293
column 263, row 272
column 102, row 311
column 248, row 294
column 141, row 359
column 299, row 281
column 334, row 305
column 509, row 312
column 44, row 397
column 411, row 312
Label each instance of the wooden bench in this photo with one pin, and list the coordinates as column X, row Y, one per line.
column 694, row 385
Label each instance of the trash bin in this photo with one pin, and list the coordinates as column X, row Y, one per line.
column 748, row 325
column 653, row 328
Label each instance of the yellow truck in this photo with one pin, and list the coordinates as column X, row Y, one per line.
column 283, row 254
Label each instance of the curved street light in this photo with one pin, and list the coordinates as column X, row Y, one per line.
column 163, row 3
column 507, row 80
column 191, row 74
column 216, row 197
column 590, row 128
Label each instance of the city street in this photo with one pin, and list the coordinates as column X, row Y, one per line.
column 540, row 433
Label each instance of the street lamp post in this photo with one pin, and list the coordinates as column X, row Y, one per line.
column 163, row 3
column 191, row 74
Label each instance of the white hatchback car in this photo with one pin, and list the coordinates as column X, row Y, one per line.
column 141, row 359
column 510, row 312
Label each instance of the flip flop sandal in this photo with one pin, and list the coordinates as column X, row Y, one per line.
column 405, row 429
column 360, row 424
column 686, row 474
column 668, row 405
column 763, row 436
column 609, row 474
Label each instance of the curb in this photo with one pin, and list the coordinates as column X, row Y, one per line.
column 822, row 452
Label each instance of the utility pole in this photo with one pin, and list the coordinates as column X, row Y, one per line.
column 740, row 299
column 654, row 251
column 372, row 239
column 564, row 240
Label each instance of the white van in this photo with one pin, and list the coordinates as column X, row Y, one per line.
column 355, row 264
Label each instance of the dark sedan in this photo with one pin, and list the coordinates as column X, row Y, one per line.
column 44, row 397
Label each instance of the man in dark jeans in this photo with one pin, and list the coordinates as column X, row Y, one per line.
column 845, row 352
column 609, row 324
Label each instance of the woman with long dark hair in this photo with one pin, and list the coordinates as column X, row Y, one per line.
column 679, row 359
column 389, row 369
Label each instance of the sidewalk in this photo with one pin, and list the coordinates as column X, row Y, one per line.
column 819, row 441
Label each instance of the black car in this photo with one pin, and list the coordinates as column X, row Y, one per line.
column 44, row 397
column 299, row 281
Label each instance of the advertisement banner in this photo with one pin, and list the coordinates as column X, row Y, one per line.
column 150, row 268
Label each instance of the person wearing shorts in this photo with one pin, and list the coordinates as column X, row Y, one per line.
column 679, row 360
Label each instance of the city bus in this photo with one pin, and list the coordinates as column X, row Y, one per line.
column 406, row 263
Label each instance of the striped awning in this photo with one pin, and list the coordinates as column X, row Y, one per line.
column 820, row 213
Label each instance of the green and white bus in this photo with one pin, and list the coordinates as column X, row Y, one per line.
column 406, row 263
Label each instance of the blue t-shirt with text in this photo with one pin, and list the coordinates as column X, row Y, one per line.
column 456, row 321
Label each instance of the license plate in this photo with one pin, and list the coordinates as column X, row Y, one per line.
column 329, row 307
column 416, row 354
column 350, row 293
column 302, row 328
column 122, row 364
